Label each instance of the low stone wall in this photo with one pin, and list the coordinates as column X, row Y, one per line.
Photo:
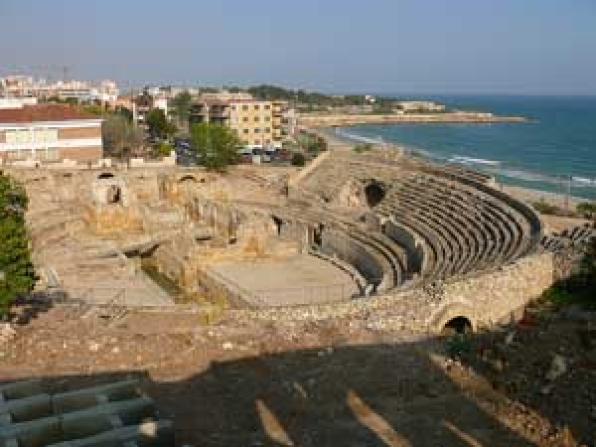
column 415, row 248
column 335, row 243
column 485, row 300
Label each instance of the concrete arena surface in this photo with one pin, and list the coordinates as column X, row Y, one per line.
column 299, row 280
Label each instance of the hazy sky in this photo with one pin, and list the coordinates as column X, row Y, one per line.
column 400, row 46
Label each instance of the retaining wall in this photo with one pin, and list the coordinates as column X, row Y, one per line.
column 485, row 299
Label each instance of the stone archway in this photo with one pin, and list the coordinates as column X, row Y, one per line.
column 187, row 178
column 457, row 325
column 454, row 318
column 374, row 193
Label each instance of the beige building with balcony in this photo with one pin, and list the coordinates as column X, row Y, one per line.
column 257, row 123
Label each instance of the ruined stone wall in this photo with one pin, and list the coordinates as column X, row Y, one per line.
column 485, row 299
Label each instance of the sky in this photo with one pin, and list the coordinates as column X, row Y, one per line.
column 341, row 46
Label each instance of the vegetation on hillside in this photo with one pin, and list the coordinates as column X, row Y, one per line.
column 216, row 145
column 16, row 270
column 268, row 92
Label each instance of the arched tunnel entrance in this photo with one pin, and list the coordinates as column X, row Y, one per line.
column 457, row 325
column 374, row 193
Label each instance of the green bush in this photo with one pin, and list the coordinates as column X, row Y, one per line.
column 163, row 150
column 546, row 208
column 16, row 269
column 586, row 209
column 298, row 159
column 363, row 147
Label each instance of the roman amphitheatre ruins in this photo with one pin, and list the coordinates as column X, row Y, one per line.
column 439, row 245
column 269, row 303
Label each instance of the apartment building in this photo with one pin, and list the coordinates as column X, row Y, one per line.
column 259, row 124
column 253, row 122
column 49, row 132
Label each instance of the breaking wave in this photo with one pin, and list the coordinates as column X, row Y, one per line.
column 473, row 161
column 584, row 181
column 355, row 137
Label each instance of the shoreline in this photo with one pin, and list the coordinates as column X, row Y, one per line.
column 527, row 195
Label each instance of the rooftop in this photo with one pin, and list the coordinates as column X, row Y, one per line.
column 43, row 112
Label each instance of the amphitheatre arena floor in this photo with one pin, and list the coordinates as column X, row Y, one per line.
column 300, row 279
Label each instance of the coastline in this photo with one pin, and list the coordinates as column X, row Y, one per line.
column 527, row 195
column 345, row 120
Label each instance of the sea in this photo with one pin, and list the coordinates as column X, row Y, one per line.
column 554, row 151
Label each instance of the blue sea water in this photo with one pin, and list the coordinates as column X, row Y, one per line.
column 554, row 151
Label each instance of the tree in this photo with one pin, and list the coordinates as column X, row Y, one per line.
column 120, row 137
column 158, row 124
column 16, row 269
column 298, row 159
column 182, row 102
column 216, row 145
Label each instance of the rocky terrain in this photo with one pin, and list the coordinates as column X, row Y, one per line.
column 238, row 381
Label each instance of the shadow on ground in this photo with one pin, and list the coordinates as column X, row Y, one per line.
column 384, row 394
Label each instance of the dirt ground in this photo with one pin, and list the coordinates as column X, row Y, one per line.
column 242, row 382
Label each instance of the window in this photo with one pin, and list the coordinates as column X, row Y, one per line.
column 267, row 130
column 267, row 118
column 256, row 119
column 267, row 141
column 267, row 107
column 233, row 107
column 257, row 130
column 245, row 119
column 49, row 154
column 245, row 130
column 257, row 107
column 245, row 107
